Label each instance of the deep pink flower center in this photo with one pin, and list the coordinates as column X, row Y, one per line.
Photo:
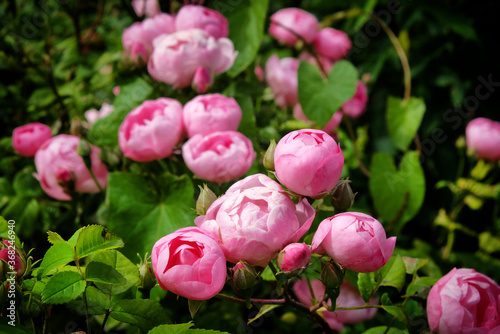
column 184, row 253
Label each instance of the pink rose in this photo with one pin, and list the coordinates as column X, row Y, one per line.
column 189, row 263
column 355, row 107
column 93, row 115
column 289, row 23
column 329, row 128
column 281, row 76
column 483, row 138
column 219, row 156
column 149, row 8
column 151, row 130
column 464, row 301
column 177, row 56
column 210, row 113
column 255, row 219
column 59, row 168
column 332, row 43
column 349, row 297
column 354, row 240
column 28, row 138
column 308, row 162
column 138, row 38
column 200, row 17
column 12, row 259
column 294, row 256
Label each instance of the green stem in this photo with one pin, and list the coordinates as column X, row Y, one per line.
column 357, row 307
column 95, row 179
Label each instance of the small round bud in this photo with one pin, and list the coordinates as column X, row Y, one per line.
column 332, row 275
column 146, row 275
column 294, row 257
column 269, row 156
column 341, row 196
column 206, row 198
column 244, row 275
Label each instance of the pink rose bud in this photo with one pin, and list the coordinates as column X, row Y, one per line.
column 28, row 138
column 308, row 162
column 93, row 115
column 349, row 297
column 354, row 240
column 151, row 130
column 116, row 90
column 176, row 57
column 329, row 128
column 259, row 73
column 255, row 219
column 202, row 80
column 294, row 256
column 138, row 38
column 58, row 166
column 281, row 76
column 289, row 23
column 355, row 107
column 189, row 263
column 10, row 254
column 332, row 43
column 244, row 275
column 483, row 138
column 464, row 301
column 200, row 17
column 211, row 113
column 220, row 156
column 149, row 8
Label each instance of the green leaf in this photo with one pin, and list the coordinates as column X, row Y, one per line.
column 263, row 310
column 143, row 313
column 17, row 329
column 398, row 312
column 103, row 273
column 489, row 243
column 246, row 29
column 319, row 99
column 98, row 302
column 403, row 119
column 94, row 239
column 413, row 264
column 54, row 238
column 421, row 286
column 172, row 329
column 397, row 194
column 142, row 215
column 25, row 183
column 366, row 285
column 6, row 192
column 63, row 287
column 393, row 273
column 57, row 255
column 248, row 125
column 385, row 330
column 122, row 265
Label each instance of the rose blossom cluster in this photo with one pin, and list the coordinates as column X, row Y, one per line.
column 186, row 49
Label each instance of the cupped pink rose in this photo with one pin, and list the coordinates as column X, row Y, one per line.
column 255, row 219
column 332, row 43
column 219, row 156
column 189, row 263
column 93, row 115
column 289, row 23
column 211, row 113
column 149, row 8
column 355, row 107
column 329, row 128
column 281, row 76
column 348, row 297
column 59, row 167
column 200, row 17
column 294, row 256
column 464, row 301
column 483, row 138
column 354, row 240
column 177, row 56
column 308, row 162
column 28, row 138
column 151, row 130
column 138, row 38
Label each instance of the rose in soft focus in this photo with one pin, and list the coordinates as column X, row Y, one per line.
column 255, row 219
column 281, row 76
column 355, row 107
column 149, row 8
column 332, row 43
column 294, row 256
column 60, row 169
column 151, row 130
column 138, row 38
column 211, row 113
column 464, row 301
column 177, row 56
column 349, row 297
column 28, row 138
column 289, row 23
column 12, row 259
column 308, row 162
column 219, row 156
column 483, row 138
column 202, row 80
column 200, row 17
column 354, row 240
column 189, row 263
column 93, row 115
column 329, row 128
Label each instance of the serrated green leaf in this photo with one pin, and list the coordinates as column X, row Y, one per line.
column 122, row 265
column 25, row 183
column 54, row 238
column 403, row 119
column 98, row 302
column 103, row 273
column 171, row 329
column 393, row 273
column 94, row 239
column 263, row 310
column 385, row 330
column 57, row 255
column 143, row 313
column 63, row 287
column 366, row 284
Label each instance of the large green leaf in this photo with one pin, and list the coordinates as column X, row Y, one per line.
column 182, row 329
column 393, row 273
column 57, row 255
column 144, row 313
column 94, row 239
column 142, row 215
column 246, row 29
column 63, row 287
column 102, row 273
column 25, row 183
column 122, row 265
column 319, row 99
column 403, row 119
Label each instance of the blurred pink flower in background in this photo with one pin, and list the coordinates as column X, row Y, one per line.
column 356, row 106
column 28, row 138
column 93, row 115
column 483, row 138
column 332, row 43
column 281, row 76
column 149, row 8
column 200, row 17
column 287, row 23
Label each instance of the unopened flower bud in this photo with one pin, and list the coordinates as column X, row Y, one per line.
column 206, row 198
column 332, row 275
column 202, row 80
column 244, row 275
column 15, row 259
column 84, row 150
column 341, row 196
column 146, row 275
column 294, row 257
column 269, row 156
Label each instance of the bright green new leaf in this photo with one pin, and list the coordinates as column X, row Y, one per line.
column 413, row 264
column 393, row 273
column 103, row 273
column 122, row 265
column 366, row 284
column 63, row 287
column 263, row 310
column 54, row 238
column 403, row 119
column 94, row 239
column 143, row 313
column 421, row 286
column 57, row 255
column 384, row 330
